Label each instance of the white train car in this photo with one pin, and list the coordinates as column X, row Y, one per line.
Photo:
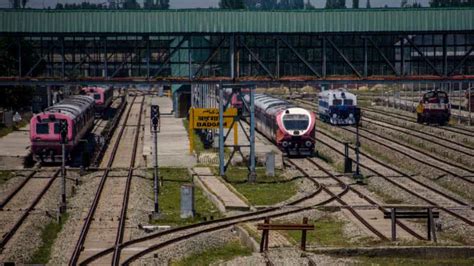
column 337, row 107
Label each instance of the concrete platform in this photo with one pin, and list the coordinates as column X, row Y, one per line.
column 15, row 148
column 226, row 197
column 173, row 142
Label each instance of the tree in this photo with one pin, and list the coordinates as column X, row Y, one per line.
column 368, row 4
column 23, row 3
column 232, row 4
column 449, row 3
column 309, row 6
column 131, row 4
column 15, row 3
column 355, row 3
column 330, row 4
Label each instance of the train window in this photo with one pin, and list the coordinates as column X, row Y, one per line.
column 57, row 128
column 348, row 102
column 97, row 96
column 42, row 128
column 295, row 122
column 337, row 102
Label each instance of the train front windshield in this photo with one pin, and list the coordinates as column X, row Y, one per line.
column 295, row 122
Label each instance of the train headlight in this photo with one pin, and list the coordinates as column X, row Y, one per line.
column 351, row 115
column 334, row 116
column 308, row 143
column 284, row 144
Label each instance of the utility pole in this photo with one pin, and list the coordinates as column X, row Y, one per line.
column 63, row 130
column 357, row 175
column 155, row 122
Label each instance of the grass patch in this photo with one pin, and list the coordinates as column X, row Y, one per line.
column 170, row 195
column 224, row 253
column 198, row 145
column 266, row 191
column 5, row 176
column 328, row 232
column 7, row 130
column 387, row 198
column 413, row 261
column 48, row 235
column 323, row 156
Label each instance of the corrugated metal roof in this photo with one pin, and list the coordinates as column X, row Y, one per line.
column 220, row 21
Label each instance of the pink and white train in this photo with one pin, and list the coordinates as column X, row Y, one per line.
column 78, row 111
column 102, row 96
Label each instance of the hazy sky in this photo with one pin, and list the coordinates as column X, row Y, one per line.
column 207, row 3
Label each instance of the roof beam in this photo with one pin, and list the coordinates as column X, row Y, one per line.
column 300, row 57
column 421, row 54
column 254, row 56
column 348, row 62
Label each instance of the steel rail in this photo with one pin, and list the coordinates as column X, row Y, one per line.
column 85, row 229
column 17, row 189
column 20, row 221
column 126, row 196
column 464, row 219
column 394, row 126
column 368, row 199
column 218, row 227
column 414, row 157
column 342, row 202
column 453, row 129
column 230, row 221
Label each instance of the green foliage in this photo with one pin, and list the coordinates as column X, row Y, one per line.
column 328, row 232
column 210, row 256
column 452, row 3
column 232, row 4
column 335, row 4
column 48, row 235
column 15, row 97
column 395, row 261
column 5, row 176
column 169, row 199
column 266, row 191
column 355, row 3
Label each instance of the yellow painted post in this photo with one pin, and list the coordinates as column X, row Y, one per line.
column 236, row 134
column 191, row 130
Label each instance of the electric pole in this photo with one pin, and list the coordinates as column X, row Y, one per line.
column 63, row 130
column 155, row 122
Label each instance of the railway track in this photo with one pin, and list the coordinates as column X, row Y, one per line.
column 454, row 129
column 445, row 143
column 109, row 185
column 21, row 202
column 432, row 196
column 358, row 198
column 433, row 161
column 134, row 249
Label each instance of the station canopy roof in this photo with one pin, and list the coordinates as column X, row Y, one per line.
column 224, row 21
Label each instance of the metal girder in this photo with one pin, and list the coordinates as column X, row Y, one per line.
column 464, row 58
column 421, row 54
column 168, row 58
column 121, row 65
column 254, row 56
column 210, row 57
column 348, row 62
column 300, row 57
column 383, row 56
column 35, row 65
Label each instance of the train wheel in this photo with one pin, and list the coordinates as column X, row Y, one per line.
column 419, row 119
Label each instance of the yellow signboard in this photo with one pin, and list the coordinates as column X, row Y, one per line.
column 208, row 118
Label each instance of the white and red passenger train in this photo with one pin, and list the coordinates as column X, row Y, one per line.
column 102, row 96
column 45, row 135
column 290, row 127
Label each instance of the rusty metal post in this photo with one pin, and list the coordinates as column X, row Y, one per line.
column 432, row 227
column 394, row 224
column 267, row 232
column 303, row 235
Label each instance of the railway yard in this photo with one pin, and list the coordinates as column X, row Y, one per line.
column 111, row 217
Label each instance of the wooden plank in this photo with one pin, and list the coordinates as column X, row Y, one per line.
column 285, row 227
